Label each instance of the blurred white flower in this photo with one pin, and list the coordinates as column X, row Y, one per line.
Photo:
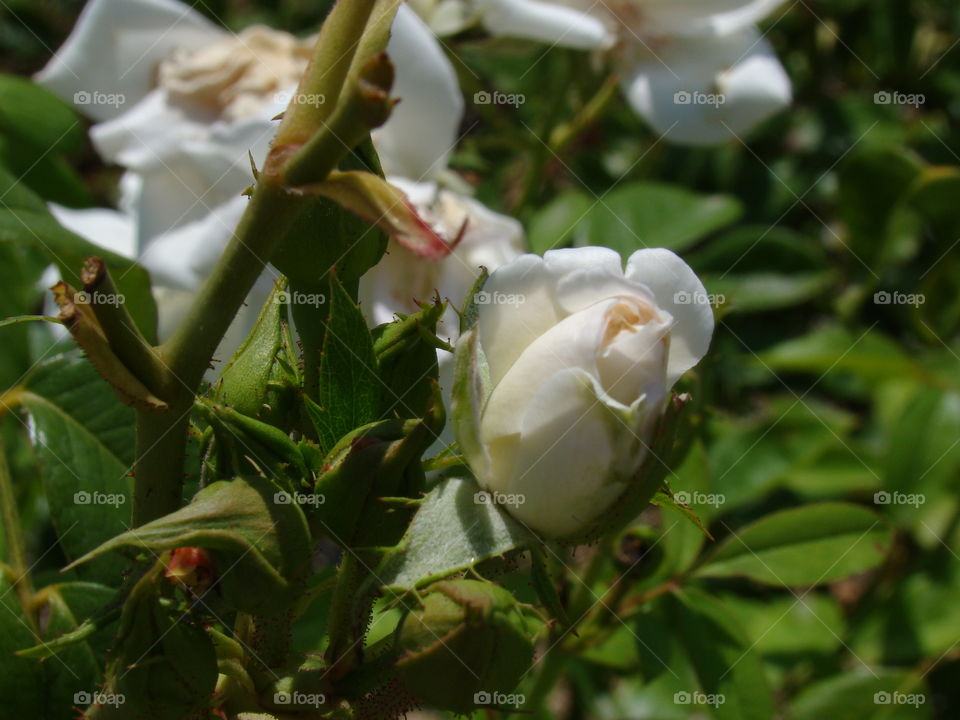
column 562, row 382
column 180, row 102
column 697, row 71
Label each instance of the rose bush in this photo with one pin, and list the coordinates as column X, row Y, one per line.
column 561, row 382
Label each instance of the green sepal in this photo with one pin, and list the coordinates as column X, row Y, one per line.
column 466, row 638
column 327, row 236
column 406, row 352
column 379, row 460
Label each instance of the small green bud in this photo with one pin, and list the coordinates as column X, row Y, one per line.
column 261, row 380
column 466, row 641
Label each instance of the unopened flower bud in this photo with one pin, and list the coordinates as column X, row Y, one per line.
column 466, row 639
column 562, row 383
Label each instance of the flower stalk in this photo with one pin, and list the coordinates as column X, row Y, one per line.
column 267, row 221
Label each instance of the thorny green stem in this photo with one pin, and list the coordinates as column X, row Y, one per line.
column 161, row 438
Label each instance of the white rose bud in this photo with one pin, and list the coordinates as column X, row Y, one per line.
column 563, row 379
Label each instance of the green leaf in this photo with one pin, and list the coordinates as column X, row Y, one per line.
column 257, row 536
column 647, row 214
column 84, row 439
column 785, row 627
column 63, row 607
column 725, row 664
column 22, row 681
column 753, row 455
column 349, row 390
column 832, row 350
column 36, row 115
column 871, row 185
column 923, row 453
column 18, row 293
column 36, row 129
column 560, row 223
column 916, row 619
column 862, row 695
column 26, row 222
column 469, row 530
column 682, row 539
column 758, row 268
column 810, row 545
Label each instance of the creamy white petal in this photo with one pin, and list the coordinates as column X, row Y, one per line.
column 560, row 462
column 700, row 17
column 182, row 258
column 588, row 274
column 506, row 328
column 148, row 130
column 417, row 139
column 114, row 50
column 546, row 22
column 109, row 229
column 571, row 344
column 678, row 291
column 704, row 91
column 186, row 184
column 402, row 278
column 445, row 17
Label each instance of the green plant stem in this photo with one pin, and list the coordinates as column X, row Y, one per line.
column 14, row 534
column 344, row 649
column 582, row 598
column 326, row 75
column 121, row 330
column 161, row 440
column 264, row 225
column 161, row 437
column 161, row 443
column 589, row 114
column 541, row 152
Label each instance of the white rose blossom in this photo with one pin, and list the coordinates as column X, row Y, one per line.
column 697, row 71
column 191, row 100
column 561, row 383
